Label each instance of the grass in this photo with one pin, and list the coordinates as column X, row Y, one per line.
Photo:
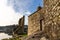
column 24, row 35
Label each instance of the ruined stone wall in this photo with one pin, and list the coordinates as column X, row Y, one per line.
column 21, row 24
column 34, row 22
column 20, row 28
column 52, row 18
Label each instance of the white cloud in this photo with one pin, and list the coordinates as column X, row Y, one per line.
column 7, row 15
column 26, row 20
column 20, row 5
column 26, row 17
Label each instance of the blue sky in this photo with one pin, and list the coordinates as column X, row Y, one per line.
column 24, row 6
column 12, row 10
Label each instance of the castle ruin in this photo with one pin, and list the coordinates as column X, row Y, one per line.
column 35, row 21
column 20, row 28
column 46, row 19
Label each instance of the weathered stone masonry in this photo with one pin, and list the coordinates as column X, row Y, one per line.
column 20, row 28
column 35, row 21
column 50, row 16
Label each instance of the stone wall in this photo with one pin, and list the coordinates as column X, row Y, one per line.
column 34, row 21
column 21, row 24
column 52, row 18
column 20, row 28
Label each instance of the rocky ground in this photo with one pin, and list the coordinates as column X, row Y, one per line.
column 37, row 36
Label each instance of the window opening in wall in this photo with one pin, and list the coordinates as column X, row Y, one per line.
column 41, row 25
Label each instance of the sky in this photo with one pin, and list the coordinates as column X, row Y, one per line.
column 25, row 5
column 12, row 10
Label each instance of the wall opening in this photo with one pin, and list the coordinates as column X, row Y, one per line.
column 41, row 25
